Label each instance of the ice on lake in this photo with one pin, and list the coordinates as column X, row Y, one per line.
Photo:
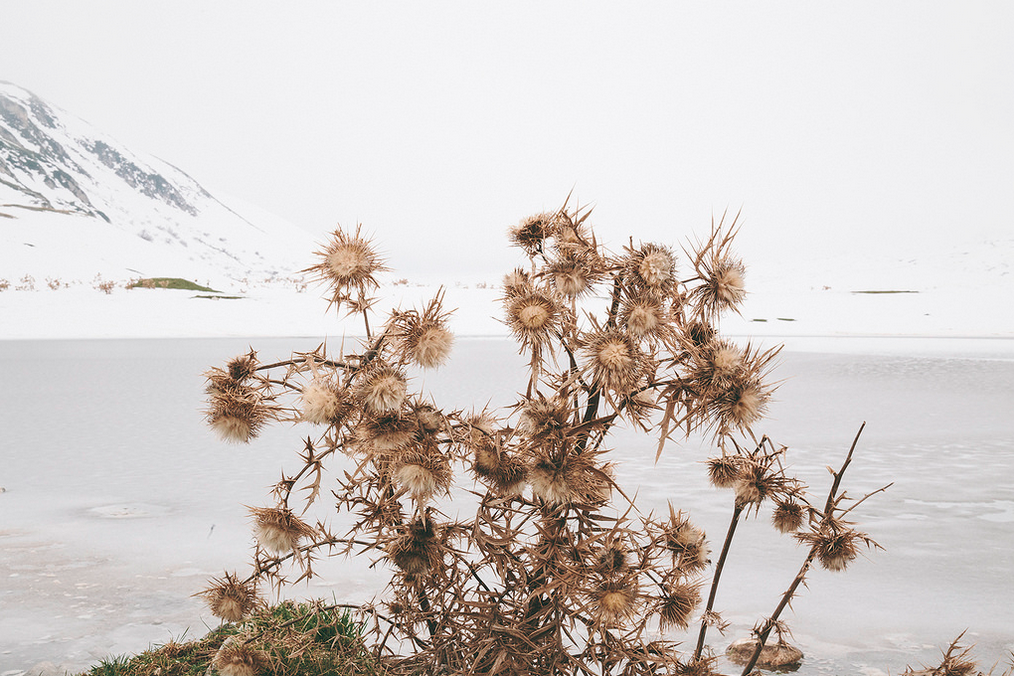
column 119, row 503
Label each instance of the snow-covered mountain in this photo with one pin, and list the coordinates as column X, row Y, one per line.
column 67, row 186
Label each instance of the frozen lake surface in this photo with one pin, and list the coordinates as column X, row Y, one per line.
column 120, row 503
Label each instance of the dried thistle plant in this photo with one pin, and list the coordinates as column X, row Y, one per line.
column 556, row 571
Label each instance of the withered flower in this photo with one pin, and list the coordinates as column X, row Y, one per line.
column 721, row 276
column 237, row 411
column 677, row 604
column 534, row 316
column 504, row 473
column 614, row 359
column 424, row 471
column 788, row 516
column 278, row 530
column 651, row 267
column 723, row 472
column 348, row 262
column 541, row 417
column 836, row 547
column 235, row 658
column 382, row 389
column 687, row 543
column 323, row 402
column 615, row 601
column 418, row 547
column 230, row 599
column 423, row 338
column 531, row 233
column 570, row 479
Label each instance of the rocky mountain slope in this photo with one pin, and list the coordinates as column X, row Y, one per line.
column 65, row 185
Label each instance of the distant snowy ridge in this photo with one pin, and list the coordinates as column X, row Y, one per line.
column 74, row 202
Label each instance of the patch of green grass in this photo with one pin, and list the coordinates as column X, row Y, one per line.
column 200, row 295
column 169, row 283
column 293, row 639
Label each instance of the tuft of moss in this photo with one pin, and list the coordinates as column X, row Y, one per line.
column 169, row 283
column 294, row 639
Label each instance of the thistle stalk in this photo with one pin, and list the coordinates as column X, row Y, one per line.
column 719, row 567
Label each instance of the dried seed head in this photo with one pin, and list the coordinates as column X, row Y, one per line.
column 382, row 390
column 322, row 402
column 230, row 599
column 541, row 417
column 612, row 559
column 643, row 317
column 837, row 549
column 614, row 359
column 235, row 658
column 278, row 530
column 242, row 367
column 423, row 337
column 615, row 601
column 516, row 283
column 531, row 233
column 384, row 433
column 423, row 472
column 753, row 485
column 652, row 266
column 533, row 317
column 788, row 516
column 433, row 346
column 348, row 261
column 237, row 412
column 723, row 472
column 699, row 333
column 418, row 548
column 687, row 543
column 575, row 270
column 727, row 281
column 575, row 479
column 721, row 276
column 677, row 604
column 504, row 473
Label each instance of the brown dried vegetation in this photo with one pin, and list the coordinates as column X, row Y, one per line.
column 557, row 571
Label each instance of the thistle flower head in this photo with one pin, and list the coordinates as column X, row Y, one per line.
column 573, row 479
column 753, row 485
column 541, row 417
column 531, row 233
column 418, row 547
column 236, row 412
column 614, row 359
column 788, row 516
column 235, row 658
column 504, row 473
column 423, row 471
column 278, row 530
column 322, row 402
column 651, row 267
column 720, row 274
column 677, row 604
column 382, row 389
column 242, row 367
column 615, row 601
column 723, row 472
column 348, row 261
column 423, row 338
column 534, row 316
column 516, row 283
column 687, row 543
column 230, row 599
column 836, row 548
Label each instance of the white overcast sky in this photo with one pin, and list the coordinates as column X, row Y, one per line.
column 835, row 126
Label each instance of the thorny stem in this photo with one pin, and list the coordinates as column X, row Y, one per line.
column 829, row 506
column 736, row 512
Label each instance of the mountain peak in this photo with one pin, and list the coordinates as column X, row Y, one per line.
column 56, row 169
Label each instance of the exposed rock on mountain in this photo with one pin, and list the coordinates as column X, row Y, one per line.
column 65, row 184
